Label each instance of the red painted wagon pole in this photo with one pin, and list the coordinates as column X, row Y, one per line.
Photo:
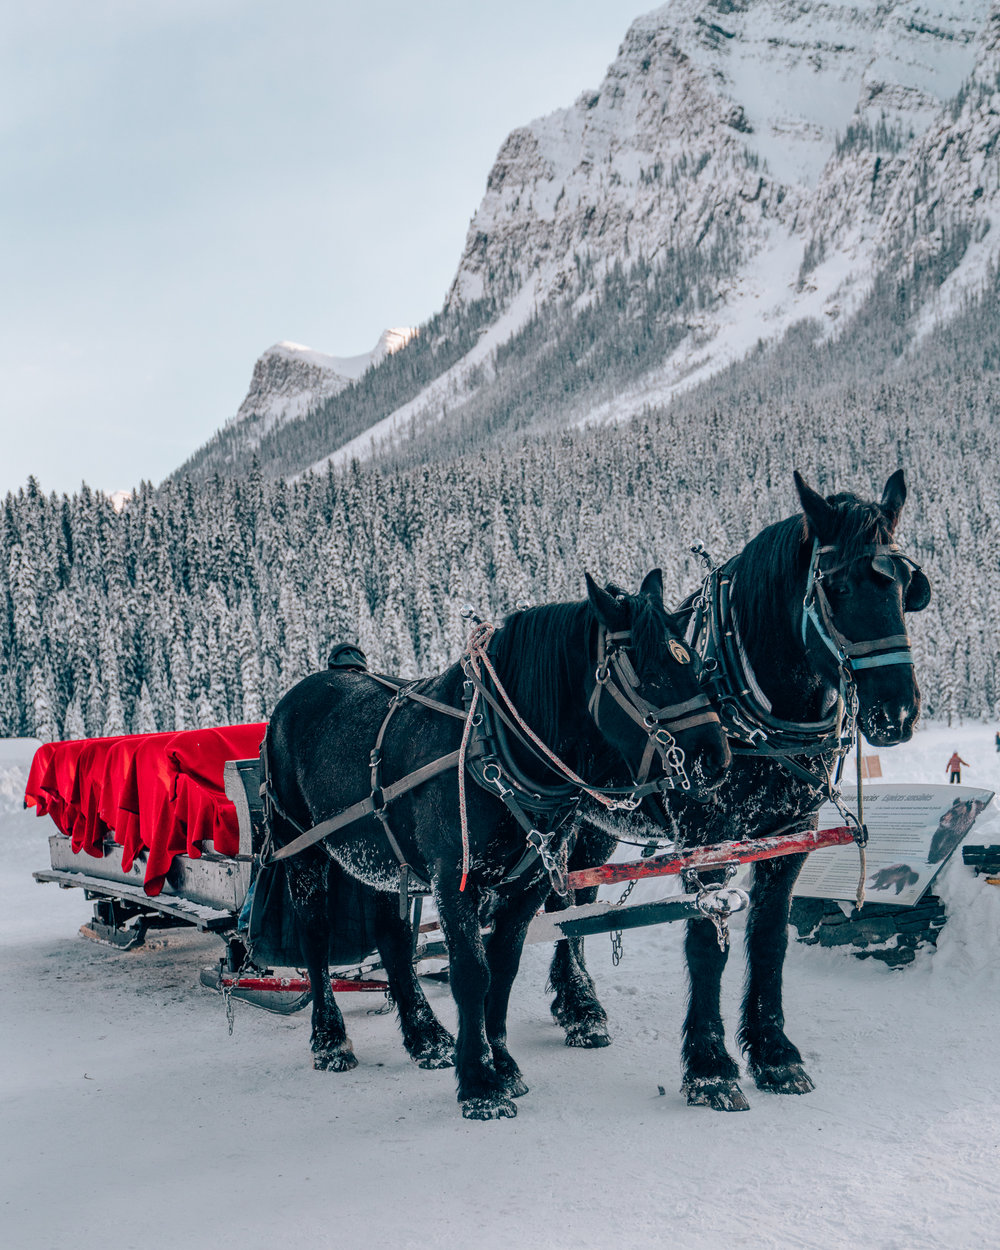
column 706, row 856
column 298, row 985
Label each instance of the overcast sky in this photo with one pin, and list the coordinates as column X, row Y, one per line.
column 186, row 182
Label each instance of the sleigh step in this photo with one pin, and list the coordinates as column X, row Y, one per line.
column 281, row 994
column 207, row 919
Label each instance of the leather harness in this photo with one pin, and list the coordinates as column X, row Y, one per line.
column 744, row 709
column 490, row 762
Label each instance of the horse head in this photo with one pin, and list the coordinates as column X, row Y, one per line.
column 645, row 697
column 858, row 587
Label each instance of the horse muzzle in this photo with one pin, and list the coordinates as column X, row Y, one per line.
column 890, row 722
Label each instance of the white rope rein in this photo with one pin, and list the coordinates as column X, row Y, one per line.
column 475, row 660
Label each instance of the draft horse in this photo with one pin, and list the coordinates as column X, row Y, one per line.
column 802, row 639
column 488, row 761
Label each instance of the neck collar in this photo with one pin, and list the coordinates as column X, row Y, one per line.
column 744, row 709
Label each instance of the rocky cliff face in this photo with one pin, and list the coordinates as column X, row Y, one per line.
column 290, row 381
column 777, row 157
column 798, row 133
column 804, row 147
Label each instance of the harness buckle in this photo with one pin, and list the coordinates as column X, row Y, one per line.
column 552, row 864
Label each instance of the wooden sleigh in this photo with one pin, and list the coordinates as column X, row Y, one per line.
column 197, row 861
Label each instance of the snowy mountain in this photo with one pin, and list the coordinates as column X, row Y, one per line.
column 290, row 380
column 762, row 121
column 745, row 165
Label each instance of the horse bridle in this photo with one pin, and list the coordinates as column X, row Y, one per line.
column 851, row 657
column 615, row 675
column 744, row 709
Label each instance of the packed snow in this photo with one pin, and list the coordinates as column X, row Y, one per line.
column 133, row 1117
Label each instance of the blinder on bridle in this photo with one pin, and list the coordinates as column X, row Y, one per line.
column 885, row 560
column 616, row 676
column 917, row 594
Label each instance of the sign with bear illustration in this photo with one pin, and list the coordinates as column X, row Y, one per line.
column 912, row 832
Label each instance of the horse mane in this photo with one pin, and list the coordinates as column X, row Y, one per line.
column 539, row 653
column 536, row 652
column 770, row 565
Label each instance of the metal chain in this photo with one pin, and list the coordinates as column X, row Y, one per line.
column 617, row 946
column 227, row 990
column 714, row 899
column 852, row 706
column 386, row 1007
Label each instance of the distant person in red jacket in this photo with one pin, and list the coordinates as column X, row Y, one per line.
column 954, row 768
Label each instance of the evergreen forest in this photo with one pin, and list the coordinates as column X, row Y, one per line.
column 203, row 599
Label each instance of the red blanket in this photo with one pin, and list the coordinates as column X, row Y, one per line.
column 159, row 793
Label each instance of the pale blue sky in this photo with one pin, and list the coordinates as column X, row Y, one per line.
column 186, row 182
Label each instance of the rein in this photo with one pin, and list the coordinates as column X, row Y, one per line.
column 614, row 674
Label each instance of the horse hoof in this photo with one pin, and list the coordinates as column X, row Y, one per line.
column 785, row 1078
column 718, row 1093
column 334, row 1060
column 588, row 1036
column 496, row 1107
column 515, row 1087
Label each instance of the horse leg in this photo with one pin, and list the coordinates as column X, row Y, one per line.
column 307, row 886
column 503, row 952
column 710, row 1072
column 775, row 1063
column 575, row 1006
column 480, row 1089
column 427, row 1041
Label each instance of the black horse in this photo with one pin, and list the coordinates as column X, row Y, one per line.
column 606, row 683
column 799, row 632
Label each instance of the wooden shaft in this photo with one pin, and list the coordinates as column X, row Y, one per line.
column 706, row 856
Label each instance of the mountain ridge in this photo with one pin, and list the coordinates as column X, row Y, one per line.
column 773, row 155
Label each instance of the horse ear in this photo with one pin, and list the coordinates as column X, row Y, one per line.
column 818, row 512
column 606, row 607
column 893, row 498
column 652, row 586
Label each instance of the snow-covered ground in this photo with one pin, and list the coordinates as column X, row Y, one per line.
column 132, row 1118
